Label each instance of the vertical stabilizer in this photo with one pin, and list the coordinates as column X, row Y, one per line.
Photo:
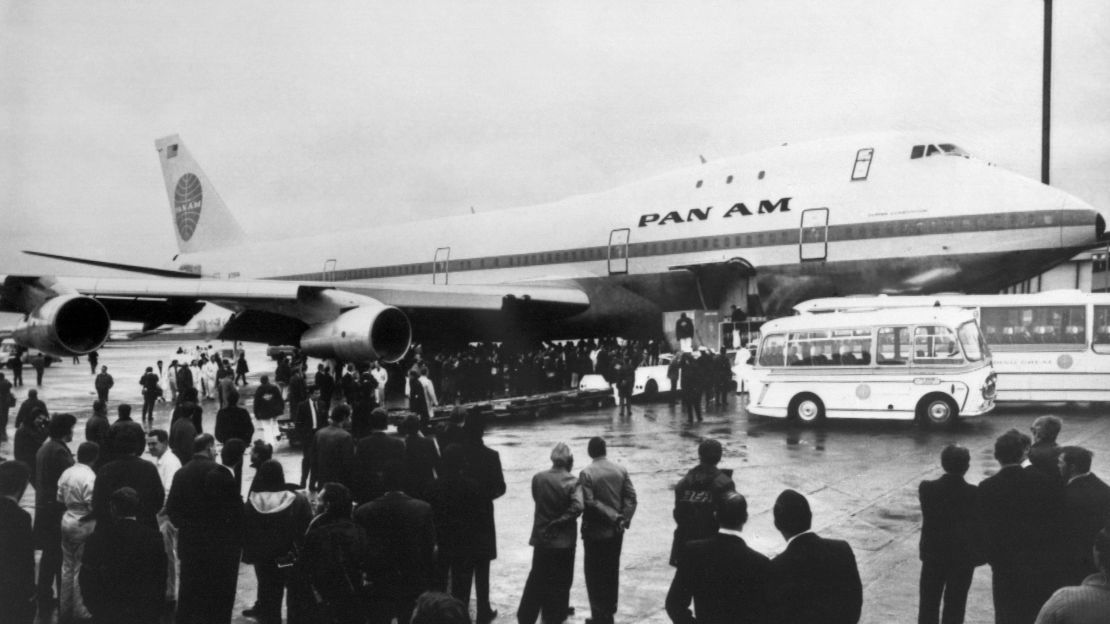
column 201, row 220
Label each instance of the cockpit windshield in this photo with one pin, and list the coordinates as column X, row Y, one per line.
column 933, row 149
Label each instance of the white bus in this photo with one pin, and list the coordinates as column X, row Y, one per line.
column 927, row 364
column 1049, row 346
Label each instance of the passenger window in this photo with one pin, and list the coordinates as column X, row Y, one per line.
column 935, row 345
column 917, row 152
column 894, row 346
column 933, row 149
column 1101, row 342
column 1035, row 325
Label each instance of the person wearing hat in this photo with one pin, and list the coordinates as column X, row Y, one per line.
column 275, row 518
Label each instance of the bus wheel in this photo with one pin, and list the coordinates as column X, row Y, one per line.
column 651, row 390
column 938, row 410
column 807, row 408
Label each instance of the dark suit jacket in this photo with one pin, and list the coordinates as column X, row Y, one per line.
column 1020, row 511
column 123, row 572
column 371, row 455
column 815, row 580
column 182, row 434
column 234, row 422
column 133, row 472
column 483, row 464
column 950, row 527
column 96, row 430
column 421, row 464
column 51, row 460
column 333, row 451
column 206, row 517
column 1086, row 511
column 725, row 578
column 305, row 422
column 402, row 544
column 17, row 562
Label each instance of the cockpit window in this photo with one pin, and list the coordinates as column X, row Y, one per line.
column 940, row 148
column 954, row 150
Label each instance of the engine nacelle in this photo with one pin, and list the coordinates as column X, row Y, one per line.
column 65, row 325
column 369, row 331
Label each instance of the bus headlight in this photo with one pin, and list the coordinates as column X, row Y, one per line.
column 989, row 386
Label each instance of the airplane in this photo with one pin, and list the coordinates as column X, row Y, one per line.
column 892, row 213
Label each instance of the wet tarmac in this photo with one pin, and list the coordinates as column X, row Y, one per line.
column 861, row 479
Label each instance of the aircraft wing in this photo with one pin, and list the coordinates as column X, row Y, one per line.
column 292, row 312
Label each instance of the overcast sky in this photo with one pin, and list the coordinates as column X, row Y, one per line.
column 307, row 118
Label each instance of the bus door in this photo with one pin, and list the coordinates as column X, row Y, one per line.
column 618, row 251
column 813, row 235
column 441, row 265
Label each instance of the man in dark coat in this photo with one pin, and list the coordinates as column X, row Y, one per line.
column 207, row 510
column 1086, row 512
column 1020, row 510
column 684, row 332
column 333, row 451
column 29, row 438
column 17, row 551
column 311, row 416
column 1044, row 453
column 723, row 576
column 402, row 548
column 697, row 497
column 372, row 453
column 51, row 460
column 128, row 469
column 457, row 504
column 103, row 383
column 483, row 465
column 421, row 458
column 123, row 570
column 182, row 434
column 814, row 579
column 151, row 393
column 268, row 405
column 233, row 421
column 950, row 540
column 28, row 407
column 691, row 383
column 188, row 406
column 7, row 400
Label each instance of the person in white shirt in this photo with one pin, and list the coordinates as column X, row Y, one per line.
column 75, row 491
column 157, row 442
column 380, row 375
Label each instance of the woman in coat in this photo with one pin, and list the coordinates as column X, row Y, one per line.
column 275, row 518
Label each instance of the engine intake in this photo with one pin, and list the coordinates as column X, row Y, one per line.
column 364, row 333
column 65, row 325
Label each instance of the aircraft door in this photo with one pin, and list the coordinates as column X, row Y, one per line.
column 813, row 236
column 328, row 274
column 618, row 251
column 441, row 265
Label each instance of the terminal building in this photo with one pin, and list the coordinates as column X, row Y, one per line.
column 1087, row 272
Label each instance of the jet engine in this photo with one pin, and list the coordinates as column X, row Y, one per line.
column 372, row 330
column 65, row 325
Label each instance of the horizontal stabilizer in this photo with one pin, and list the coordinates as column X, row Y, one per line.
column 116, row 265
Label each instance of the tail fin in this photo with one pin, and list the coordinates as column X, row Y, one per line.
column 201, row 219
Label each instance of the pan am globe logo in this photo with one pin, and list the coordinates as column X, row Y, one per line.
column 187, row 201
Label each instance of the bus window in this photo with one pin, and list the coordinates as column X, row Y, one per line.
column 1101, row 341
column 975, row 347
column 772, row 351
column 935, row 345
column 1033, row 325
column 894, row 346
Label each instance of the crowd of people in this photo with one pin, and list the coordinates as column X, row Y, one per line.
column 383, row 526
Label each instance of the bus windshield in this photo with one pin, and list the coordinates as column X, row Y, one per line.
column 975, row 347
